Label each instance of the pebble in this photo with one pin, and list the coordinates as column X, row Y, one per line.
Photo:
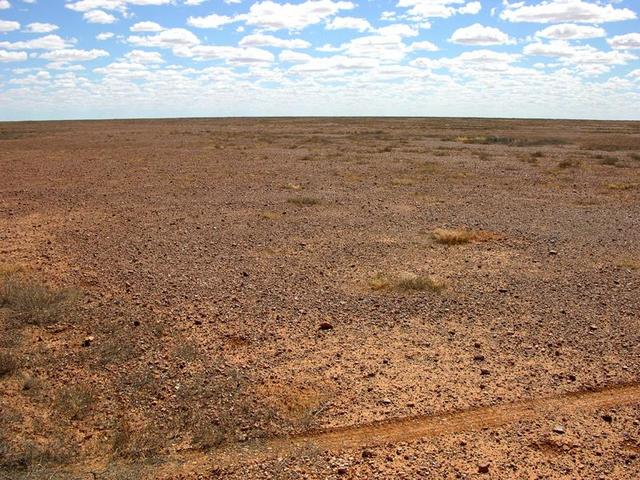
column 483, row 467
column 368, row 454
column 558, row 429
column 385, row 401
column 326, row 326
column 553, row 252
column 88, row 341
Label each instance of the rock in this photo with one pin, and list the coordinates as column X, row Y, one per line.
column 484, row 371
column 88, row 341
column 368, row 454
column 553, row 252
column 607, row 418
column 483, row 467
column 502, row 290
column 593, row 327
column 385, row 401
column 559, row 429
column 342, row 470
column 479, row 357
column 325, row 326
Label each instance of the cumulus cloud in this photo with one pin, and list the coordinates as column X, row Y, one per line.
column 232, row 55
column 478, row 34
column 426, row 9
column 289, row 56
column 98, row 16
column 571, row 31
column 625, row 42
column 105, row 36
column 578, row 54
column 210, row 21
column 40, row 28
column 146, row 27
column 557, row 11
column 144, row 57
column 262, row 40
column 6, row 56
column 349, row 23
column 275, row 16
column 48, row 42
column 170, row 38
column 73, row 55
column 4, row 4
column 8, row 26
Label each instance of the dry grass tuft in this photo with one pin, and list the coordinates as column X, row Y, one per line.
column 75, row 401
column 271, row 215
column 568, row 164
column 402, row 182
column 510, row 141
column 459, row 236
column 406, row 282
column 304, row 201
column 8, row 364
column 621, row 186
column 629, row 263
column 294, row 186
column 34, row 303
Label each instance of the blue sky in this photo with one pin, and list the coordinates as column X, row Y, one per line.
column 162, row 58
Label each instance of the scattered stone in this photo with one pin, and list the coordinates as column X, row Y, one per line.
column 559, row 429
column 88, row 341
column 484, row 371
column 479, row 357
column 502, row 290
column 593, row 327
column 385, row 401
column 368, row 454
column 607, row 418
column 553, row 252
column 342, row 470
column 326, row 326
column 483, row 467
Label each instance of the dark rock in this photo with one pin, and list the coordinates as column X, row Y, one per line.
column 326, row 326
column 483, row 467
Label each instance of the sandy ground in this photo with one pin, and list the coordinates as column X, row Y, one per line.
column 237, row 312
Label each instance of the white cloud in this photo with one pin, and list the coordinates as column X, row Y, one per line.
column 73, row 55
column 425, row 46
column 99, row 16
column 471, row 8
column 333, row 64
column 556, row 11
column 289, row 56
column 349, row 23
column 48, row 42
column 4, row 4
column 8, row 26
column 144, row 57
column 262, row 40
column 625, row 42
column 275, row 16
column 478, row 34
column 194, row 2
column 425, row 9
column 40, row 28
column 232, row 55
column 6, row 56
column 398, row 29
column 146, row 27
column 211, row 21
column 170, row 38
column 578, row 54
column 570, row 31
column 121, row 5
column 105, row 36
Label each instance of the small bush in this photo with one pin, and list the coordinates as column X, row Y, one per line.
column 568, row 164
column 510, row 141
column 8, row 364
column 405, row 282
column 629, row 263
column 34, row 303
column 449, row 236
column 75, row 402
column 304, row 201
column 621, row 186
column 611, row 161
column 635, row 156
column 293, row 186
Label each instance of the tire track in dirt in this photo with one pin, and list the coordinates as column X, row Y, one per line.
column 411, row 429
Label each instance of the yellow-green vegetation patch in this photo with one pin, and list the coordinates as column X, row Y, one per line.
column 304, row 201
column 459, row 236
column 406, row 282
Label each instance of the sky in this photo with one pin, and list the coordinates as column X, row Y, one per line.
column 68, row 59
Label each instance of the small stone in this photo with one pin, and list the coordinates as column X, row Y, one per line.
column 479, row 357
column 88, row 341
column 368, row 454
column 342, row 470
column 593, row 327
column 385, row 401
column 607, row 418
column 502, row 290
column 483, row 467
column 326, row 326
column 559, row 429
column 484, row 371
column 553, row 252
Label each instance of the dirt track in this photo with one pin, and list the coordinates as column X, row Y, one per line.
column 245, row 281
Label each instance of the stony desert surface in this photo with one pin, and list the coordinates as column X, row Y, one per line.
column 320, row 298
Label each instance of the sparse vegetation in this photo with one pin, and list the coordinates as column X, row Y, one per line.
column 405, row 282
column 75, row 402
column 8, row 363
column 629, row 263
column 458, row 236
column 34, row 303
column 621, row 186
column 510, row 141
column 293, row 186
column 568, row 163
column 606, row 160
column 635, row 156
column 304, row 201
column 402, row 182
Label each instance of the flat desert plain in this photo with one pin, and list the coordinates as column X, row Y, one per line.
column 323, row 298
